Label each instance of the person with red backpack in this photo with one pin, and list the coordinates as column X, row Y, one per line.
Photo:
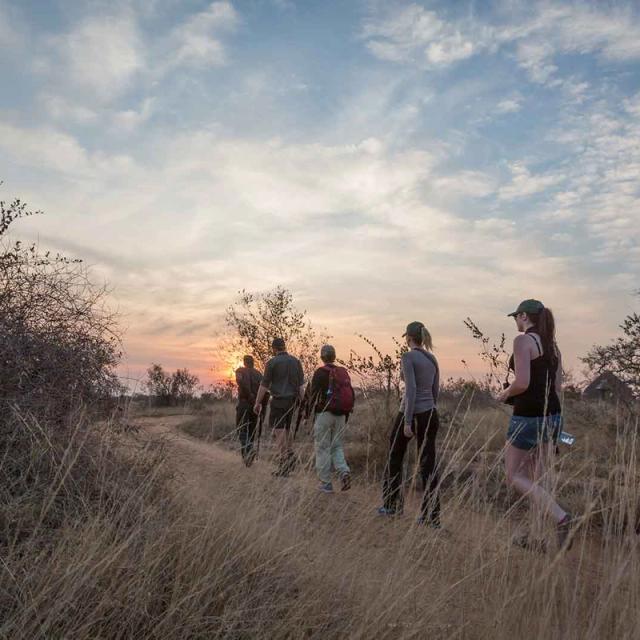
column 331, row 397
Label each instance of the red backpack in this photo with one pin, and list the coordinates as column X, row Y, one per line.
column 340, row 394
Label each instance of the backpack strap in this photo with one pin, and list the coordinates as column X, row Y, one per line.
column 537, row 343
column 328, row 369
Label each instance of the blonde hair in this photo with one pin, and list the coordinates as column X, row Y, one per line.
column 427, row 340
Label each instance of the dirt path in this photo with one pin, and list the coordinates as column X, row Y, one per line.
column 340, row 538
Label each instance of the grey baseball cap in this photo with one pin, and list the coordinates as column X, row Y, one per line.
column 414, row 330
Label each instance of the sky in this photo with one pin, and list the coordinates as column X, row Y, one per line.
column 386, row 161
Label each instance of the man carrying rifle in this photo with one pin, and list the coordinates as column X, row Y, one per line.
column 284, row 379
column 248, row 380
column 331, row 397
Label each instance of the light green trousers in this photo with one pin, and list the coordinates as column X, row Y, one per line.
column 328, row 431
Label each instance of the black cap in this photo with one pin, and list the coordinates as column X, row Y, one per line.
column 530, row 307
column 278, row 343
column 414, row 330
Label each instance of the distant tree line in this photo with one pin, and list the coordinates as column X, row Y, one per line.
column 171, row 389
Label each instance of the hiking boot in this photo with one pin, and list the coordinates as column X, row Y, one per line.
column 389, row 512
column 563, row 530
column 529, row 544
column 249, row 458
column 326, row 487
column 290, row 462
column 346, row 482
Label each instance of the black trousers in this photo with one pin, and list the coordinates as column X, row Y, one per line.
column 246, row 422
column 425, row 429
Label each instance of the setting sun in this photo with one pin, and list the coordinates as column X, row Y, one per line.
column 234, row 361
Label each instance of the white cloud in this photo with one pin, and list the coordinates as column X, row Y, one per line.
column 197, row 41
column 564, row 238
column 130, row 119
column 415, row 34
column 535, row 57
column 294, row 182
column 632, row 106
column 509, row 105
column 582, row 28
column 101, row 56
column 472, row 184
column 410, row 33
column 524, row 184
column 602, row 178
column 556, row 28
column 90, row 68
column 60, row 153
column 42, row 148
column 59, row 108
column 577, row 90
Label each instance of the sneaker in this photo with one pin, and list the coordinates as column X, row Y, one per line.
column 421, row 521
column 563, row 529
column 326, row 487
column 346, row 482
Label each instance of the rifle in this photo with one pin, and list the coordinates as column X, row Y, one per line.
column 260, row 421
column 265, row 403
column 301, row 407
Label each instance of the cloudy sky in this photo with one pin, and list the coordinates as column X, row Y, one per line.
column 387, row 161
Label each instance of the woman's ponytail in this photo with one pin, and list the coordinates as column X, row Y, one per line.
column 545, row 325
column 427, row 341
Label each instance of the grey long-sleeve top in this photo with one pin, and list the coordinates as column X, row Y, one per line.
column 422, row 381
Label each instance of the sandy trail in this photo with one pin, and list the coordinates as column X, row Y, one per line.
column 332, row 532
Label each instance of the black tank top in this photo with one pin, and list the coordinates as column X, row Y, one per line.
column 540, row 398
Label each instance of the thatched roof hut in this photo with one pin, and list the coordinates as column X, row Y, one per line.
column 608, row 387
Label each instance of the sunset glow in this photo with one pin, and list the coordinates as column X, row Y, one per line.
column 385, row 161
column 235, row 362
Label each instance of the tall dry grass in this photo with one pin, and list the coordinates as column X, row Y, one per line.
column 111, row 546
column 95, row 545
column 500, row 590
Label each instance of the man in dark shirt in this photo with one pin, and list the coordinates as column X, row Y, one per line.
column 329, row 419
column 248, row 380
column 284, row 379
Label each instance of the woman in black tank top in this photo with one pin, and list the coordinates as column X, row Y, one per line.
column 537, row 413
column 541, row 396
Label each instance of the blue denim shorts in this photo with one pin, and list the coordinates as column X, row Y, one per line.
column 527, row 433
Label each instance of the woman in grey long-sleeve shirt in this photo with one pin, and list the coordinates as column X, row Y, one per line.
column 418, row 416
column 421, row 382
